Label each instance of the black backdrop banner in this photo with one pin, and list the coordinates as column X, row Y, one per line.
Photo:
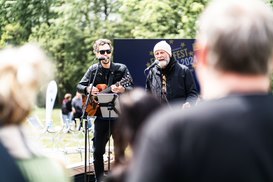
column 137, row 54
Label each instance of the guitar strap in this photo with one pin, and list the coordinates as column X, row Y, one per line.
column 111, row 75
column 110, row 82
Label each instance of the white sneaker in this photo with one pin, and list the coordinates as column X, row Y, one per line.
column 66, row 130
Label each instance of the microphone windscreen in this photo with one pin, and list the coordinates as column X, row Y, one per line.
column 101, row 58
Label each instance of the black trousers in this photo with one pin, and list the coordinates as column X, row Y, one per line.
column 101, row 137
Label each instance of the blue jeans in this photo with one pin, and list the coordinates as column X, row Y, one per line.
column 89, row 122
column 67, row 119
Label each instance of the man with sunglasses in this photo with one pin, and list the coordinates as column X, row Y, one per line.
column 108, row 73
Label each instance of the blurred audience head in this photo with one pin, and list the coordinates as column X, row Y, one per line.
column 23, row 70
column 136, row 106
column 234, row 37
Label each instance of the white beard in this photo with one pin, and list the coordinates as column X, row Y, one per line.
column 163, row 64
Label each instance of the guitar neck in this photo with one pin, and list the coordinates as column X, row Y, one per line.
column 107, row 90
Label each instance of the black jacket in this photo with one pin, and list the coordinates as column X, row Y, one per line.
column 116, row 73
column 66, row 106
column 180, row 82
column 223, row 140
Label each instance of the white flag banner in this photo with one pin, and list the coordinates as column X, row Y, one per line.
column 51, row 94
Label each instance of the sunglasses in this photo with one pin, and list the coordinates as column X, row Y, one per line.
column 103, row 51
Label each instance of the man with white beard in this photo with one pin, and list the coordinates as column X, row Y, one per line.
column 169, row 80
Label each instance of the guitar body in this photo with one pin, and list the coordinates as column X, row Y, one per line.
column 93, row 105
column 91, row 108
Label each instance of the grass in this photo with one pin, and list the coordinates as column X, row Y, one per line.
column 70, row 145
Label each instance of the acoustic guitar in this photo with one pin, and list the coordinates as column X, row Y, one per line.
column 93, row 104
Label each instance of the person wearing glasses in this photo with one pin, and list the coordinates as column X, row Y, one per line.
column 108, row 73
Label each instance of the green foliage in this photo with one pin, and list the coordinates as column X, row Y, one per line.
column 22, row 16
column 69, row 38
column 163, row 19
column 66, row 29
column 12, row 34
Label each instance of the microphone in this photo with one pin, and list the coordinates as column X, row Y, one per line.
column 102, row 58
column 152, row 65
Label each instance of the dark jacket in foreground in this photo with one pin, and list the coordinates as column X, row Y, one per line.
column 228, row 139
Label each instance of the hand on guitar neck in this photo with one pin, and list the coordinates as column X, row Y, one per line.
column 117, row 88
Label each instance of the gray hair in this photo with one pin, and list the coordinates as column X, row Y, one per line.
column 239, row 36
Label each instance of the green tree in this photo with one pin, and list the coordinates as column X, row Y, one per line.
column 69, row 38
column 68, row 28
column 163, row 19
column 19, row 17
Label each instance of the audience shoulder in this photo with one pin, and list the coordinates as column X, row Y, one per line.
column 163, row 120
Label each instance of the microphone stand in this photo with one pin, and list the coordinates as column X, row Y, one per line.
column 156, row 62
column 84, row 115
column 110, row 107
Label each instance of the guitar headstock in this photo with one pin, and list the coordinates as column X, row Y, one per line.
column 126, row 81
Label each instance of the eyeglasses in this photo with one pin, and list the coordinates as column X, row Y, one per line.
column 103, row 51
